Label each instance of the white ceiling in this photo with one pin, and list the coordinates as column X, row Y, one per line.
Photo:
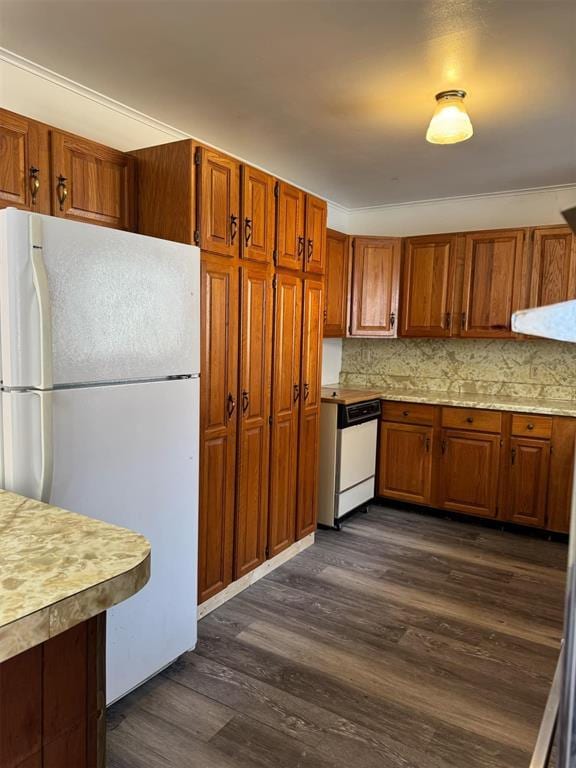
column 333, row 94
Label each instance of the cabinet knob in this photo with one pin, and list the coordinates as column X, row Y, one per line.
column 34, row 183
column 530, row 426
column 470, row 420
column 300, row 246
column 310, row 249
column 233, row 228
column 405, row 413
column 245, row 401
column 62, row 190
column 306, row 391
column 392, row 319
column 513, row 452
column 230, row 404
column 296, row 392
column 247, row 231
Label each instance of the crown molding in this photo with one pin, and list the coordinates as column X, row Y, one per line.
column 456, row 198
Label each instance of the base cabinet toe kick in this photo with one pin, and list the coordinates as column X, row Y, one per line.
column 513, row 467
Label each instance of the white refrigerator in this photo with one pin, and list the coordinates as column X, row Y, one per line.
column 100, row 364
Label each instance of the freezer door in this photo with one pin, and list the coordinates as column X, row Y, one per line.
column 126, row 454
column 81, row 303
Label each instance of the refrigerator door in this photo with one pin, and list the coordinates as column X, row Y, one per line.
column 126, row 454
column 82, row 304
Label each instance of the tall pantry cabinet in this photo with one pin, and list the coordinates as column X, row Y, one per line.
column 263, row 253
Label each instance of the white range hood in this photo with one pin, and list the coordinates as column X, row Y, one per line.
column 555, row 321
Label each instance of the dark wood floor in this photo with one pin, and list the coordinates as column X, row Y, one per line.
column 404, row 641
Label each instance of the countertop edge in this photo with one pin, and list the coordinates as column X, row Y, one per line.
column 35, row 628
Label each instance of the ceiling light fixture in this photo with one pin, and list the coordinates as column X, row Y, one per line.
column 450, row 122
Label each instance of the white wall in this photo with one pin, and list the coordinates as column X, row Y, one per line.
column 507, row 209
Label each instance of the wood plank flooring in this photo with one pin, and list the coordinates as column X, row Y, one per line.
column 403, row 641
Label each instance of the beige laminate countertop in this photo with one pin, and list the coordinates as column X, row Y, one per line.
column 59, row 568
column 348, row 395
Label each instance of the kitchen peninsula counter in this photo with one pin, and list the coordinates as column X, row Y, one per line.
column 59, row 573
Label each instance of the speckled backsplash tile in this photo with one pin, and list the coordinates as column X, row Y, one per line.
column 533, row 368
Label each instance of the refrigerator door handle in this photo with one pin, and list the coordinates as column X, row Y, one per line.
column 47, row 453
column 40, row 280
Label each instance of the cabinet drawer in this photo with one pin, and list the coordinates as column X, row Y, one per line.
column 525, row 425
column 408, row 413
column 472, row 419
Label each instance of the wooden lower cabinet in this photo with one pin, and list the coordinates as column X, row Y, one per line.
column 405, row 464
column 52, row 702
column 511, row 467
column 253, row 419
column 309, row 439
column 285, row 412
column 218, row 423
column 528, row 481
column 469, row 472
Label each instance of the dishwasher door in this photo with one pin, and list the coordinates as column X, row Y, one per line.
column 357, row 454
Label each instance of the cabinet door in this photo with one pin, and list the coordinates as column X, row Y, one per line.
column 469, row 472
column 285, row 411
column 257, row 215
column 428, row 267
column 253, row 425
column 405, row 467
column 24, row 166
column 315, row 234
column 308, row 454
column 553, row 266
column 528, row 480
column 375, row 283
column 218, row 419
column 561, row 474
column 219, row 202
column 291, row 241
column 91, row 182
column 336, row 281
column 492, row 283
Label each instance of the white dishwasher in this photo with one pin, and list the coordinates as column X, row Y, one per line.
column 348, row 445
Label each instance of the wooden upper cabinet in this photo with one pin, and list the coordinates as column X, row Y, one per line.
column 405, row 470
column 428, row 269
column 24, row 166
column 258, row 209
column 469, row 472
column 528, row 481
column 375, row 286
column 336, row 282
column 285, row 412
column 219, row 202
column 492, row 289
column 253, row 415
column 316, row 212
column 553, row 266
column 309, row 440
column 91, row 182
column 218, row 423
column 166, row 191
column 291, row 243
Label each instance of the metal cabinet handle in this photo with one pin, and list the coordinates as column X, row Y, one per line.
column 300, row 246
column 470, row 420
column 513, row 455
column 443, row 447
column 247, row 230
column 245, row 401
column 306, row 391
column 296, row 392
column 405, row 413
column 34, row 183
column 446, row 323
column 427, row 445
column 233, row 227
column 463, row 320
column 392, row 319
column 62, row 191
column 230, row 404
column 530, row 426
column 310, row 249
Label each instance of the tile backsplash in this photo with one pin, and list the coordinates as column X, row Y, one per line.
column 529, row 368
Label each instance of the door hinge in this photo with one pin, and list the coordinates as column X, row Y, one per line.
column 197, row 156
column 277, row 189
column 196, row 237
